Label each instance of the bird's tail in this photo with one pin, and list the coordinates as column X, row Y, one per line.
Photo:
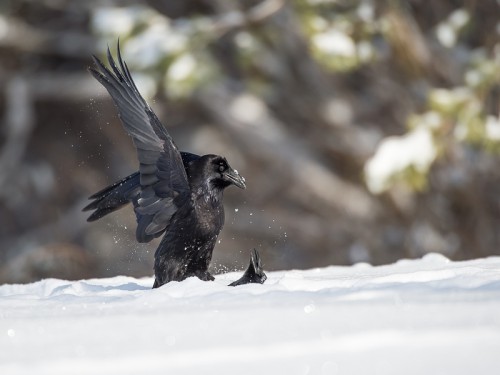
column 114, row 197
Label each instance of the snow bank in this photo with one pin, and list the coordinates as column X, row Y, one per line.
column 396, row 153
column 426, row 316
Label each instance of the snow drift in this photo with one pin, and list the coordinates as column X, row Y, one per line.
column 425, row 316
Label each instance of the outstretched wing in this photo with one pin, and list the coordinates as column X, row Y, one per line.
column 162, row 174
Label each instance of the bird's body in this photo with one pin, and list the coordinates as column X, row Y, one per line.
column 186, row 248
column 175, row 194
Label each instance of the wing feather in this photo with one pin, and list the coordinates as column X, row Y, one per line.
column 161, row 169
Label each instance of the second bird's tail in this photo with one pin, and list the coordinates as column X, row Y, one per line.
column 114, row 196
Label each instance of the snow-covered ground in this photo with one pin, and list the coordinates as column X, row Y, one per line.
column 426, row 316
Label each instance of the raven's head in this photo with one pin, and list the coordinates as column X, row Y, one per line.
column 223, row 175
column 217, row 172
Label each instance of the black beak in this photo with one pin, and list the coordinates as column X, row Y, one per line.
column 235, row 178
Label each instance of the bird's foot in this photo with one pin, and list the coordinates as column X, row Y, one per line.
column 254, row 273
column 156, row 284
column 204, row 276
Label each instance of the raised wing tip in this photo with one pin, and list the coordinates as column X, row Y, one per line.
column 108, row 54
column 255, row 258
column 254, row 273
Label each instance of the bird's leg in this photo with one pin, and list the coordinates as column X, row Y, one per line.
column 204, row 275
column 156, row 284
column 254, row 273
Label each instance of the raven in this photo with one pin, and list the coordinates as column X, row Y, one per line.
column 174, row 194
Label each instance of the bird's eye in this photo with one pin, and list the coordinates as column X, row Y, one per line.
column 222, row 168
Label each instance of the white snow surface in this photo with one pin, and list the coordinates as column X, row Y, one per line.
column 426, row 316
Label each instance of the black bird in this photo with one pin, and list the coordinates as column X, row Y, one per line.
column 175, row 194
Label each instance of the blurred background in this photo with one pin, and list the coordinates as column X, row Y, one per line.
column 368, row 131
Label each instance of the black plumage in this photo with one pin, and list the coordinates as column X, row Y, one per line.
column 175, row 194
